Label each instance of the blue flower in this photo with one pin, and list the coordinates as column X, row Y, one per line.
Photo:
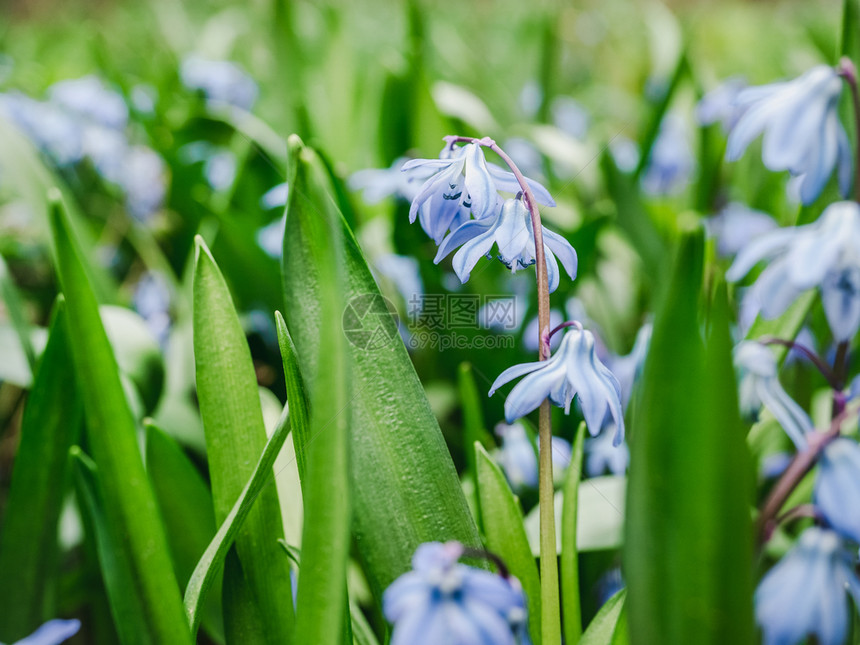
column 53, row 632
column 220, row 81
column 378, row 183
column 462, row 182
column 442, row 601
column 802, row 131
column 628, row 368
column 837, row 487
column 718, row 105
column 804, row 594
column 736, row 226
column 603, row 454
column 90, row 98
column 824, row 254
column 574, row 370
column 48, row 126
column 275, row 197
column 671, row 161
column 511, row 231
column 759, row 384
column 144, row 181
column 518, row 458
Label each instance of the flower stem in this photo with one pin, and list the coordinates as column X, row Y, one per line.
column 550, row 606
column 848, row 71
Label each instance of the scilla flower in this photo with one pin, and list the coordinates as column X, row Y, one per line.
column 604, row 455
column 804, row 594
column 461, row 182
column 574, row 370
column 718, row 105
column 53, row 632
column 837, row 487
column 511, row 231
column 802, row 131
column 376, row 184
column 825, row 254
column 443, row 601
column 759, row 384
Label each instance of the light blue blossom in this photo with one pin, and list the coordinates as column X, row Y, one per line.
column 570, row 117
column 91, row 99
column 144, row 181
column 805, row 593
column 824, row 254
column 48, row 126
column 511, row 231
column 403, row 272
column 802, row 131
column 518, row 458
column 574, row 370
column 759, row 384
column 378, row 183
column 837, row 487
column 602, row 455
column 106, row 149
column 718, row 105
column 462, row 182
column 671, row 162
column 220, row 81
column 151, row 300
column 53, row 632
column 275, row 197
column 624, row 152
column 270, row 238
column 736, row 226
column 628, row 368
column 220, row 169
column 443, row 601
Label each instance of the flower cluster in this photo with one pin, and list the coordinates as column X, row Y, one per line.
column 443, row 601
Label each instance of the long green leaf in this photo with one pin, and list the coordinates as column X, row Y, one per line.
column 502, row 519
column 28, row 543
column 321, row 606
column 212, row 561
column 473, row 417
column 15, row 309
column 688, row 507
column 571, row 610
column 130, row 509
column 235, row 437
column 609, row 626
column 186, row 509
column 404, row 487
column 296, row 398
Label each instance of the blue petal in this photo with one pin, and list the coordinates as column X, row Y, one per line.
column 551, row 269
column 774, row 290
column 764, row 247
column 507, row 182
column 53, row 632
column 562, row 249
column 845, row 163
column 513, row 231
column 840, row 296
column 482, row 190
column 533, row 390
column 789, row 414
column 435, row 185
column 837, row 487
column 516, row 371
column 468, row 231
column 467, row 257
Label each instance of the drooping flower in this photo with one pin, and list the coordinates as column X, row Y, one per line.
column 53, row 632
column 737, row 225
column 759, row 384
column 574, row 370
column 461, row 182
column 603, row 454
column 802, row 131
column 805, row 593
column 443, row 601
column 512, row 233
column 718, row 105
column 824, row 254
column 837, row 486
column 671, row 162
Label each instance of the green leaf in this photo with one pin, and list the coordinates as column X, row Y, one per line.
column 361, row 630
column 235, row 437
column 17, row 315
column 187, row 512
column 609, row 626
column 473, row 418
column 295, row 395
column 115, row 570
column 688, row 507
column 129, row 505
column 850, row 38
column 212, row 560
column 322, row 607
column 571, row 610
column 403, row 484
column 28, row 542
column 502, row 519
